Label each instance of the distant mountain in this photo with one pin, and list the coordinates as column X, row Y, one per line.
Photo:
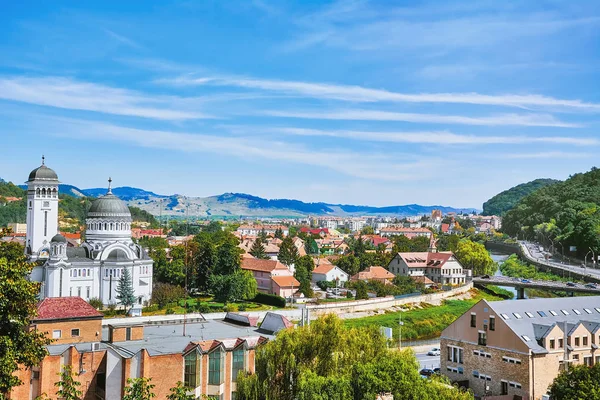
column 506, row 200
column 240, row 204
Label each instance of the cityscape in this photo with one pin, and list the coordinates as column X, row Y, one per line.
column 330, row 200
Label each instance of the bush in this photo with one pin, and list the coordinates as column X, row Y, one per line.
column 242, row 307
column 151, row 308
column 96, row 303
column 230, row 308
column 349, row 295
column 270, row 299
column 170, row 311
column 324, row 285
column 165, row 293
column 202, row 308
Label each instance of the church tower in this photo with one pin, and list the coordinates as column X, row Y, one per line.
column 42, row 211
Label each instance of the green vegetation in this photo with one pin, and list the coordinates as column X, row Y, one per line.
column 138, row 389
column 578, row 382
column 567, row 212
column 497, row 291
column 474, row 256
column 348, row 363
column 425, row 321
column 68, row 388
column 269, row 299
column 303, row 273
column 516, row 268
column 506, row 200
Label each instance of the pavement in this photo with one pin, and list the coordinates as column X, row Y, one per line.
column 532, row 251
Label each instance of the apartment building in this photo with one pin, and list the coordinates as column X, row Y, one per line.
column 440, row 267
column 205, row 355
column 408, row 232
column 514, row 349
column 255, row 230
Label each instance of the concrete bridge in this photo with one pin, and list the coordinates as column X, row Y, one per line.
column 522, row 284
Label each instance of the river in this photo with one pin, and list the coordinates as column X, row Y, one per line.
column 499, row 258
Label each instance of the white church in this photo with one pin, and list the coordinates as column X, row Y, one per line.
column 92, row 270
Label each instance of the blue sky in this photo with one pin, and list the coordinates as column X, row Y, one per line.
column 358, row 102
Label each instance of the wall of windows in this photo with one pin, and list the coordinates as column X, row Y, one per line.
column 216, row 362
column 239, row 362
column 193, row 365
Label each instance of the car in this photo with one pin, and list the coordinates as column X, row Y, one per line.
column 485, row 277
column 437, row 370
column 525, row 281
column 571, row 284
column 426, row 372
column 434, row 352
column 591, row 285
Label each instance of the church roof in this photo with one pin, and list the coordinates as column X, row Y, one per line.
column 109, row 205
column 43, row 173
column 58, row 238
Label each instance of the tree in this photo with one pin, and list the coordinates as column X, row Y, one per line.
column 204, row 262
column 420, row 244
column 447, row 242
column 19, row 346
column 288, row 253
column 475, row 257
column 228, row 258
column 258, row 249
column 279, row 233
column 579, row 382
column 361, row 290
column 67, row 386
column 180, row 392
column 303, row 272
column 367, row 230
column 165, row 293
column 125, row 294
column 348, row 264
column 138, row 389
column 262, row 235
column 240, row 285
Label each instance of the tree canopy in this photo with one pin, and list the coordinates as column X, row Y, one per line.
column 578, row 383
column 475, row 257
column 506, row 200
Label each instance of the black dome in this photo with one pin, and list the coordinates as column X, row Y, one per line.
column 58, row 238
column 43, row 173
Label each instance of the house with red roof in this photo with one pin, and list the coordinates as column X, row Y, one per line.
column 271, row 276
column 326, row 271
column 440, row 267
column 375, row 273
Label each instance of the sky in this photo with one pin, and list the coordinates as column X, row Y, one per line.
column 354, row 102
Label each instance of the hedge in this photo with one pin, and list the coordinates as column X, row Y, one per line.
column 270, row 299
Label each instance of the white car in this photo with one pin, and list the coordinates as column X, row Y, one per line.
column 434, row 352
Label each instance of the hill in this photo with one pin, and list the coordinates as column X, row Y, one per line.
column 567, row 212
column 504, row 201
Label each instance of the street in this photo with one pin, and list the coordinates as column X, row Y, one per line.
column 531, row 250
column 426, row 361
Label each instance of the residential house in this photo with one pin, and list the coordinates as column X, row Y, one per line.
column 442, row 267
column 517, row 348
column 265, row 271
column 326, row 271
column 255, row 230
column 299, row 243
column 408, row 232
column 138, row 233
column 374, row 273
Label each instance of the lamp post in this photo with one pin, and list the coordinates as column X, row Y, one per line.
column 593, row 258
column 400, row 323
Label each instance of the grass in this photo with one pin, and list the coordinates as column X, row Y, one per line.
column 425, row 321
column 497, row 291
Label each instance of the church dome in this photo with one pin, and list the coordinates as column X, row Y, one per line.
column 43, row 173
column 109, row 205
column 58, row 238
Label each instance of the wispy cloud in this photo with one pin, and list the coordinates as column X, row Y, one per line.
column 122, row 39
column 362, row 94
column 75, row 95
column 364, row 166
column 423, row 137
column 557, row 155
column 374, row 115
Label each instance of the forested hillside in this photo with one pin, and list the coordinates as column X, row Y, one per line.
column 566, row 212
column 506, row 200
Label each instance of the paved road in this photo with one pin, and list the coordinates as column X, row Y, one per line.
column 536, row 284
column 532, row 251
column 428, row 361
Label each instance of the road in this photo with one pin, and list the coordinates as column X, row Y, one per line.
column 532, row 251
column 536, row 284
column 428, row 361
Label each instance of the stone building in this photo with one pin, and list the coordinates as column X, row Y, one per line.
column 516, row 348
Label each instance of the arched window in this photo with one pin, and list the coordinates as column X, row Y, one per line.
column 44, row 192
column 37, row 192
column 54, row 192
column 105, row 226
column 112, row 226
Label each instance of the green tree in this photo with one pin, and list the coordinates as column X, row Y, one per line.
column 579, row 382
column 139, row 389
column 165, row 293
column 420, row 243
column 179, row 392
column 303, row 272
column 348, row 264
column 475, row 257
column 288, row 253
column 19, row 346
column 278, row 233
column 239, row 285
column 447, row 242
column 258, row 249
column 402, row 244
column 204, row 262
column 228, row 258
column 262, row 235
column 367, row 230
column 67, row 386
column 125, row 294
column 361, row 290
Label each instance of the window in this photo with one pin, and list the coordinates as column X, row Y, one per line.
column 191, row 374
column 504, row 388
column 75, row 332
column 455, row 354
column 542, row 314
column 597, row 309
column 215, row 367
column 239, row 362
column 554, row 313
column 515, row 385
column 526, row 338
column 87, row 290
column 587, row 310
column 517, row 315
column 585, row 340
column 577, row 342
column 492, row 323
column 560, row 343
column 482, row 354
column 577, row 312
column 79, row 291
column 511, row 360
column 473, row 320
column 128, row 333
column 551, row 343
column 530, row 315
column 564, row 312
column 482, row 339
column 575, row 357
column 504, row 316
column 56, row 334
column 587, row 360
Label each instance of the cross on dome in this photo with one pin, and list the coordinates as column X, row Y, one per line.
column 43, row 160
column 109, row 185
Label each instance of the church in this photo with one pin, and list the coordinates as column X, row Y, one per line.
column 93, row 269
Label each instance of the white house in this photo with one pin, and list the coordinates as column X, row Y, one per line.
column 325, row 271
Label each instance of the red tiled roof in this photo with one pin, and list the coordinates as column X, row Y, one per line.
column 71, row 235
column 65, row 308
column 286, row 281
column 374, row 272
column 323, row 268
column 423, row 279
column 425, row 259
column 445, row 228
column 256, row 264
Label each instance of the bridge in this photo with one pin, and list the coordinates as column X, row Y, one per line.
column 522, row 284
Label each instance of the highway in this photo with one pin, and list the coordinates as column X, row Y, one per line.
column 531, row 251
column 535, row 284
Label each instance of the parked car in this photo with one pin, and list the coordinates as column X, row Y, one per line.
column 426, row 372
column 434, row 352
column 437, row 370
column 525, row 281
column 485, row 277
column 571, row 284
column 591, row 285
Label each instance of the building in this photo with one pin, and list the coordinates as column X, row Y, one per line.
column 442, row 267
column 326, row 271
column 517, row 348
column 271, row 276
column 436, row 215
column 255, row 230
column 408, row 232
column 92, row 270
column 18, row 228
column 375, row 273
column 207, row 358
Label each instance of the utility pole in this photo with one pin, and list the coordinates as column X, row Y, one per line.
column 400, row 323
column 186, row 267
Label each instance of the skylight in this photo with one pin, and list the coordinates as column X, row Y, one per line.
column 526, row 338
column 530, row 315
column 587, row 310
column 597, row 309
column 577, row 312
column 553, row 313
column 517, row 315
column 542, row 314
column 564, row 312
column 504, row 316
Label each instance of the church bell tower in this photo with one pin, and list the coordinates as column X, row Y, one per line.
column 42, row 211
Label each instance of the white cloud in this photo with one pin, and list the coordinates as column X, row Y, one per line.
column 361, row 94
column 558, row 155
column 75, row 95
column 122, row 39
column 373, row 115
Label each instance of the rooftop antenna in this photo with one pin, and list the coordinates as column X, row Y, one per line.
column 109, row 185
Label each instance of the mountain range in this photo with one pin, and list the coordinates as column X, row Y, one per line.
column 240, row 204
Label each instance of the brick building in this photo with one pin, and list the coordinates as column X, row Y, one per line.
column 207, row 358
column 515, row 349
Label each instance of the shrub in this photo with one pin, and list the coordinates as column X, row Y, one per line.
column 270, row 299
column 165, row 293
column 151, row 308
column 349, row 295
column 230, row 308
column 324, row 285
column 170, row 311
column 202, row 308
column 242, row 307
column 96, row 303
